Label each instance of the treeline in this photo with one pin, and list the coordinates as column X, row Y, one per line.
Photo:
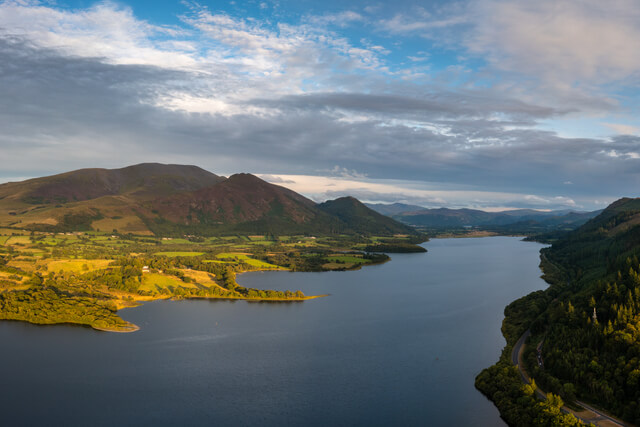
column 395, row 248
column 502, row 383
column 589, row 321
column 126, row 274
column 517, row 402
column 597, row 357
column 50, row 306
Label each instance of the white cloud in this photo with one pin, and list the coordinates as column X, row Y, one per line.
column 423, row 22
column 321, row 188
column 231, row 59
column 561, row 41
column 105, row 30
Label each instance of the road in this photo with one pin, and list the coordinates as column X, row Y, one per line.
column 589, row 415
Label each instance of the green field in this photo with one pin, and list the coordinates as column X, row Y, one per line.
column 18, row 239
column 176, row 242
column 347, row 259
column 77, row 265
column 109, row 271
column 178, row 253
column 237, row 256
column 156, row 282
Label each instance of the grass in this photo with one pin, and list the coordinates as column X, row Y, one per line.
column 178, row 253
column 12, row 240
column 337, row 262
column 27, row 266
column 347, row 259
column 77, row 265
column 64, row 257
column 156, row 281
column 240, row 256
column 176, row 241
column 201, row 277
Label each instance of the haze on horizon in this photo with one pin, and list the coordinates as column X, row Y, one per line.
column 487, row 104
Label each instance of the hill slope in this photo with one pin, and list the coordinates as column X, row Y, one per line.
column 143, row 180
column 174, row 199
column 244, row 203
column 589, row 318
column 359, row 218
column 514, row 221
column 393, row 208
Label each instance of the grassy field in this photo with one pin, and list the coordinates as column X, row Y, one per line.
column 171, row 241
column 347, row 262
column 77, row 265
column 178, row 253
column 23, row 240
column 155, row 282
column 61, row 277
column 240, row 256
column 201, row 277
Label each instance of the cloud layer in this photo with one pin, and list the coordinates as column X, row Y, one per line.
column 101, row 87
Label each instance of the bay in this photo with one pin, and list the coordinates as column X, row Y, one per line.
column 394, row 344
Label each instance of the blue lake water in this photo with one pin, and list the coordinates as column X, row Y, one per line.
column 394, row 344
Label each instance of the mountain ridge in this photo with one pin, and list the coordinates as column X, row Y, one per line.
column 465, row 217
column 152, row 198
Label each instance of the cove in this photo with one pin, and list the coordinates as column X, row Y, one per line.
column 394, row 344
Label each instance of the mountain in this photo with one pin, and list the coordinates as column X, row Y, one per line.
column 524, row 219
column 175, row 199
column 446, row 218
column 245, row 203
column 393, row 208
column 362, row 219
column 588, row 318
column 140, row 181
column 600, row 247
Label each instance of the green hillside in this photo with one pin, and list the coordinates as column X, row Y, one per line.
column 361, row 219
column 176, row 200
column 589, row 318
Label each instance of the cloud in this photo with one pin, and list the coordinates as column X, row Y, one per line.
column 561, row 40
column 623, row 129
column 275, row 179
column 424, row 22
column 105, row 30
column 82, row 87
column 341, row 19
column 321, row 188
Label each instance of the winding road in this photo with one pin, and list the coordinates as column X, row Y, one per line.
column 588, row 415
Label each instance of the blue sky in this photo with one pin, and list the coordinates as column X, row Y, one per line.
column 489, row 104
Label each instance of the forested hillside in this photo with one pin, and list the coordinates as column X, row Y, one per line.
column 587, row 323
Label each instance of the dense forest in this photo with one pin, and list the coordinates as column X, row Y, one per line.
column 587, row 322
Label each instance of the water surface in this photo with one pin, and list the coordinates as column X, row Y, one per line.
column 395, row 344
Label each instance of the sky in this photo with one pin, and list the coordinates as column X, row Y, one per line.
column 489, row 104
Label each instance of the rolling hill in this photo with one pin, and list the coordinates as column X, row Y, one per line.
column 512, row 221
column 162, row 199
column 358, row 217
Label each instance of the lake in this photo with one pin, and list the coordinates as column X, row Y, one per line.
column 394, row 344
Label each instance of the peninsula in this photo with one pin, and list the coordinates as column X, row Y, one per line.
column 77, row 247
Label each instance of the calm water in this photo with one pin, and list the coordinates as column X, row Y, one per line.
column 394, row 344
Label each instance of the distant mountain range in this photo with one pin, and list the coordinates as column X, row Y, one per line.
column 459, row 218
column 163, row 199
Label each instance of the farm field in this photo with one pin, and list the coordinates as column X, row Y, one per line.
column 86, row 277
